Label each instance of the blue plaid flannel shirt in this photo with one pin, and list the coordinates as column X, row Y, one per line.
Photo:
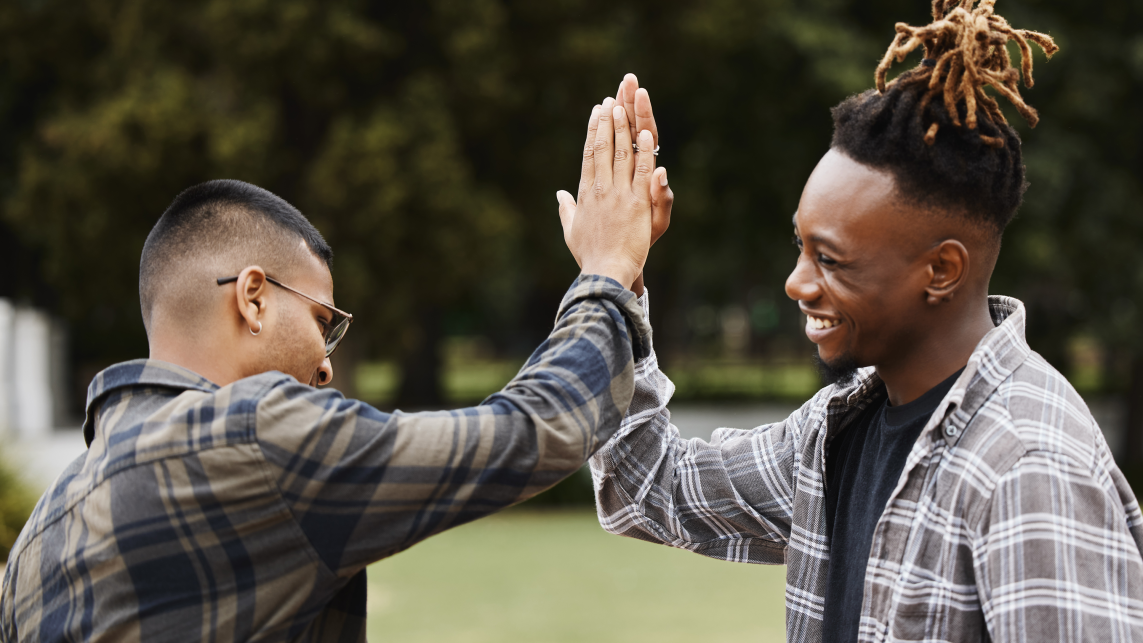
column 249, row 512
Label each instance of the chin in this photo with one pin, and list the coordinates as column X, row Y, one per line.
column 836, row 369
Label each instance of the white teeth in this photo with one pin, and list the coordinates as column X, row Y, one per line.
column 820, row 324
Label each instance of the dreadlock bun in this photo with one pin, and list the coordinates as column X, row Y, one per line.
column 957, row 151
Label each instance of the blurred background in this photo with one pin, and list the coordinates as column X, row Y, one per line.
column 426, row 140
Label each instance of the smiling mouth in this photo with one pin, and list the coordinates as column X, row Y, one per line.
column 818, row 323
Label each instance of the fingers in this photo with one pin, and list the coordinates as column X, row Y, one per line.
column 644, row 165
column 644, row 117
column 662, row 200
column 626, row 98
column 623, row 151
column 604, row 145
column 587, row 172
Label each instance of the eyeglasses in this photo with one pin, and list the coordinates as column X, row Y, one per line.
column 334, row 330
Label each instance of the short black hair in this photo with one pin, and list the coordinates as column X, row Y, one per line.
column 958, row 172
column 221, row 225
column 935, row 128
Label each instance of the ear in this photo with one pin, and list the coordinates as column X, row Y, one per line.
column 948, row 271
column 250, row 292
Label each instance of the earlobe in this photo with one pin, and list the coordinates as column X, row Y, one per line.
column 250, row 294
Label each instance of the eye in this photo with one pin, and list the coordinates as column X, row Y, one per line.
column 797, row 241
column 826, row 261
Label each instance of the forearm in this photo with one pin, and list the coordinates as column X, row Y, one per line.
column 652, row 485
column 572, row 393
column 391, row 480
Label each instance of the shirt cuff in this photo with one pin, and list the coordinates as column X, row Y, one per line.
column 600, row 287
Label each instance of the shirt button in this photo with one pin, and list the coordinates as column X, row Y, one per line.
column 950, row 430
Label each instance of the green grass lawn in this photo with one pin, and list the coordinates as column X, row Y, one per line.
column 553, row 576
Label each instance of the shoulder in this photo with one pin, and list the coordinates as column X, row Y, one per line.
column 1035, row 419
column 286, row 412
column 1045, row 412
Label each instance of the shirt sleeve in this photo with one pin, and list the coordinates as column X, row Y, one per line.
column 730, row 498
column 1056, row 559
column 363, row 484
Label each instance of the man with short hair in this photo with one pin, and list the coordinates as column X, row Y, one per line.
column 225, row 498
column 950, row 485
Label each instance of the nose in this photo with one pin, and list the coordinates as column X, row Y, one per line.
column 802, row 284
column 325, row 372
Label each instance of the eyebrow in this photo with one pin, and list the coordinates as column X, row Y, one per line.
column 822, row 241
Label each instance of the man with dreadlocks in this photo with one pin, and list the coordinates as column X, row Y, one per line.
column 949, row 485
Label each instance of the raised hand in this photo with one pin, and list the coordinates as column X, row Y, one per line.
column 609, row 229
column 638, row 102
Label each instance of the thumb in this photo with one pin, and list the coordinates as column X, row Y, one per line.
column 662, row 200
column 567, row 209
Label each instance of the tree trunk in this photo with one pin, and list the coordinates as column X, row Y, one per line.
column 421, row 363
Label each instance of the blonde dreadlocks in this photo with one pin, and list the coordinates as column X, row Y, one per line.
column 965, row 49
column 957, row 152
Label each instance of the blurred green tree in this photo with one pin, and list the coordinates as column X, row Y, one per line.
column 343, row 108
column 427, row 141
column 16, row 504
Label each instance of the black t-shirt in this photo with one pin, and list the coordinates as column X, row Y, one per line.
column 863, row 465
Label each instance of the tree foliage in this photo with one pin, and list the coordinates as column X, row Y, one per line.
column 427, row 141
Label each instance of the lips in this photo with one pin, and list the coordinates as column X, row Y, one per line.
column 819, row 328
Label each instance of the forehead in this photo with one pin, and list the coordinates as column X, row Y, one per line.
column 848, row 199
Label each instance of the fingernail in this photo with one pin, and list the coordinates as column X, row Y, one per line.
column 645, row 138
column 663, row 178
column 617, row 112
column 558, row 196
column 608, row 102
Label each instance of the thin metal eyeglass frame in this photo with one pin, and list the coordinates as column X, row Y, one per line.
column 336, row 331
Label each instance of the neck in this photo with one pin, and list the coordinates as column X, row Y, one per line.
column 951, row 337
column 206, row 358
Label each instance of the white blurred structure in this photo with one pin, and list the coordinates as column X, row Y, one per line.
column 37, row 435
column 32, row 379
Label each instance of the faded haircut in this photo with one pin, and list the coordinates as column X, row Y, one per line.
column 215, row 229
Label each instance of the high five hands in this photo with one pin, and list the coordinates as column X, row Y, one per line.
column 624, row 203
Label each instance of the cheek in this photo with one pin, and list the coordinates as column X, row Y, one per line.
column 865, row 308
column 305, row 344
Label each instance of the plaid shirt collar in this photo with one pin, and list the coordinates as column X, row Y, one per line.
column 139, row 373
column 995, row 358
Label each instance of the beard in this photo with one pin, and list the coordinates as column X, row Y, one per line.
column 841, row 371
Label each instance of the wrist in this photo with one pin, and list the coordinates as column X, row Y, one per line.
column 637, row 285
column 620, row 271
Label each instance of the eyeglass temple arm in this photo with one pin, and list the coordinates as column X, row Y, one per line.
column 226, row 280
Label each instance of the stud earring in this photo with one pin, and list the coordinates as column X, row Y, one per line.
column 259, row 330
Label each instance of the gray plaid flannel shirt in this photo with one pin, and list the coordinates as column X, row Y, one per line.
column 1010, row 522
column 249, row 512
